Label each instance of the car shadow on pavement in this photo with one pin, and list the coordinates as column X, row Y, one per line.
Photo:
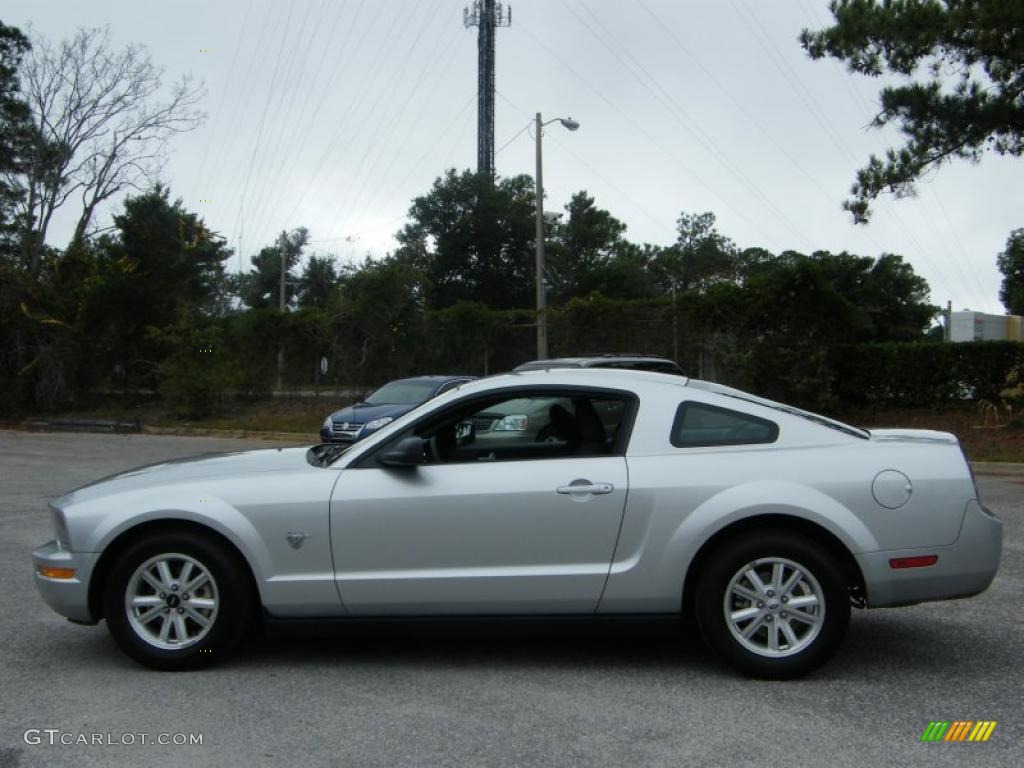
column 557, row 645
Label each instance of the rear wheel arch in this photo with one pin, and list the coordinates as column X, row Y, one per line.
column 831, row 544
column 127, row 538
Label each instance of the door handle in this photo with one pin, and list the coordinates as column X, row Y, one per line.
column 580, row 487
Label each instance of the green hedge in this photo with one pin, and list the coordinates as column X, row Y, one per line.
column 923, row 374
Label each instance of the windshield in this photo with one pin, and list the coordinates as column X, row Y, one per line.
column 403, row 392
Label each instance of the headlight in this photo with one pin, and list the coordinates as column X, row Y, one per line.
column 378, row 423
column 60, row 528
column 516, row 422
column 328, row 425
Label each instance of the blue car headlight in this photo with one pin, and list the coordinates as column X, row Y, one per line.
column 328, row 426
column 377, row 423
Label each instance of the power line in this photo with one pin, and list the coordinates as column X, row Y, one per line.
column 266, row 183
column 414, row 167
column 373, row 194
column 266, row 106
column 366, row 86
column 375, row 135
column 646, row 134
column 238, row 111
column 685, row 120
column 387, row 126
column 519, row 133
column 223, row 96
column 803, row 93
column 614, row 187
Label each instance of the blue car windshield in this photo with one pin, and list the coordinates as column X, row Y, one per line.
column 403, row 392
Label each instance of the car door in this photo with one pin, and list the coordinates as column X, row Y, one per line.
column 507, row 526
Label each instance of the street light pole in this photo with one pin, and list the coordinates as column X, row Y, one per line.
column 542, row 310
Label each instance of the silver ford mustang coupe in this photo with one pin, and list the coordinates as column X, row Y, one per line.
column 650, row 495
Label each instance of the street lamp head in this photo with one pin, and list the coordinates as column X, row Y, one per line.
column 569, row 123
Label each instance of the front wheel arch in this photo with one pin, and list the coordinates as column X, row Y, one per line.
column 126, row 538
column 828, row 541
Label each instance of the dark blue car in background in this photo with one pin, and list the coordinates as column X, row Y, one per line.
column 395, row 398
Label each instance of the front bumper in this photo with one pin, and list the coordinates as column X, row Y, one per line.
column 68, row 597
column 964, row 568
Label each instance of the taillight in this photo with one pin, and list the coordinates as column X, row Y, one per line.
column 919, row 561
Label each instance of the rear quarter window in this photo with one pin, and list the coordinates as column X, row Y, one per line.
column 702, row 425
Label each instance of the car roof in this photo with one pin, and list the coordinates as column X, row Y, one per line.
column 614, row 378
column 595, row 361
column 432, row 378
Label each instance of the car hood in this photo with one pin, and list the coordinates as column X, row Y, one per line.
column 174, row 471
column 360, row 413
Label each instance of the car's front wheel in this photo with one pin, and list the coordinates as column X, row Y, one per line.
column 177, row 601
column 772, row 604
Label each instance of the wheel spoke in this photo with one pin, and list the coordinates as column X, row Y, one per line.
column 141, row 601
column 773, row 634
column 165, row 573
column 776, row 576
column 186, row 571
column 154, row 583
column 197, row 582
column 149, row 615
column 743, row 614
column 791, row 582
column 202, row 603
column 755, row 580
column 739, row 589
column 180, row 632
column 806, row 618
column 197, row 617
column 165, row 629
column 751, row 628
column 787, row 630
column 804, row 601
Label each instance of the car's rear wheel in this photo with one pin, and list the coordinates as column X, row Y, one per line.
column 772, row 604
column 177, row 601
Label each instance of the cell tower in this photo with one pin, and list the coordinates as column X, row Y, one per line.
column 488, row 15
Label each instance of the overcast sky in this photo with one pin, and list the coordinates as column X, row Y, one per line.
column 334, row 114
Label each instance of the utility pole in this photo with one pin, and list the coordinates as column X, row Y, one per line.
column 542, row 302
column 282, row 245
column 487, row 15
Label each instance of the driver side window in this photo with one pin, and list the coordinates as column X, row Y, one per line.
column 540, row 426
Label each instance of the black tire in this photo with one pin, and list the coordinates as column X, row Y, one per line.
column 813, row 647
column 228, row 583
column 548, row 434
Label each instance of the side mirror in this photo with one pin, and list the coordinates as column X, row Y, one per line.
column 408, row 452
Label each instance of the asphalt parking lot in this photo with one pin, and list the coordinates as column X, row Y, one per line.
column 579, row 699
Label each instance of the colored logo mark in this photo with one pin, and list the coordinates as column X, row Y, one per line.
column 958, row 730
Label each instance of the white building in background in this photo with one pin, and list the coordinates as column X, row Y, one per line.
column 978, row 326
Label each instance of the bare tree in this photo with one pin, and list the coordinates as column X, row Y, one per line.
column 102, row 124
